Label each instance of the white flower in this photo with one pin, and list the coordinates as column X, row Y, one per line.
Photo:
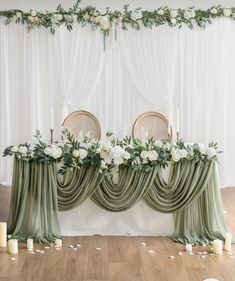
column 144, row 154
column 175, row 155
column 173, row 13
column 83, row 153
column 227, row 12
column 211, row 151
column 68, row 18
column 98, row 150
column 118, row 161
column 75, row 153
column 104, row 22
column 103, row 165
column 59, row 17
column 120, row 18
column 183, row 153
column 23, row 149
column 152, row 155
column 14, row 148
column 214, row 11
column 137, row 160
column 167, row 146
column 48, row 151
column 56, row 152
column 126, row 155
column 202, row 148
column 173, row 21
column 136, row 15
column 107, row 146
column 19, row 14
column 86, row 16
column 160, row 12
column 33, row 13
column 158, row 143
column 189, row 14
column 30, row 18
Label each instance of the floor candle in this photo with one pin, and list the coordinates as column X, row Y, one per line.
column 58, row 242
column 218, row 247
column 228, row 241
column 189, row 248
column 13, row 246
column 3, row 234
column 30, row 244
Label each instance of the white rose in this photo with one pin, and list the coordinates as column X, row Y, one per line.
column 68, row 18
column 136, row 15
column 19, row 14
column 189, row 14
column 33, row 13
column 23, row 149
column 152, row 155
column 98, row 150
column 126, row 155
column 211, row 151
column 158, row 143
column 103, row 165
column 59, row 17
column 104, row 22
column 202, row 148
column 86, row 17
column 175, row 155
column 75, row 153
column 214, row 11
column 107, row 146
column 183, row 153
column 14, row 148
column 167, row 146
column 56, row 152
column 160, row 12
column 118, row 161
column 47, row 151
column 173, row 13
column 30, row 18
column 83, row 153
column 227, row 12
column 173, row 21
column 144, row 154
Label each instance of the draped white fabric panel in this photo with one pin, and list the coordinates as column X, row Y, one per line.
column 143, row 70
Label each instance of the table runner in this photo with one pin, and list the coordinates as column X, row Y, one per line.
column 192, row 194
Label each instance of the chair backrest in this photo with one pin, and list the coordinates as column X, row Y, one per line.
column 151, row 124
column 81, row 123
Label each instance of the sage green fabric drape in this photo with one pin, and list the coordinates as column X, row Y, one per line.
column 131, row 187
column 34, row 208
column 76, row 186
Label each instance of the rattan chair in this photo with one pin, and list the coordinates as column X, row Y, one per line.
column 80, row 123
column 151, row 124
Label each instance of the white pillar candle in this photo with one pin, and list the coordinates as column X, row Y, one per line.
column 228, row 241
column 58, row 242
column 30, row 244
column 52, row 118
column 218, row 247
column 13, row 246
column 188, row 248
column 178, row 121
column 3, row 234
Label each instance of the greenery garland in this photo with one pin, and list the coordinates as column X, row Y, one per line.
column 109, row 20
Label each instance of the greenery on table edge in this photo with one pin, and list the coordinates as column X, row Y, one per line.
column 108, row 20
column 112, row 153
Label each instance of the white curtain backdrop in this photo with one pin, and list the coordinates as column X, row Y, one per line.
column 158, row 69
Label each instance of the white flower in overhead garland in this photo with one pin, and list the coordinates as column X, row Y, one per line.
column 59, row 17
column 227, row 12
column 211, row 151
column 136, row 15
column 173, row 13
column 14, row 148
column 104, row 22
column 33, row 13
column 120, row 19
column 19, row 15
column 30, row 18
column 189, row 14
column 173, row 21
column 214, row 11
column 68, row 18
column 160, row 12
column 152, row 155
column 86, row 16
column 76, row 153
column 144, row 154
column 23, row 149
column 82, row 153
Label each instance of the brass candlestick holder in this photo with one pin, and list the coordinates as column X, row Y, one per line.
column 52, row 136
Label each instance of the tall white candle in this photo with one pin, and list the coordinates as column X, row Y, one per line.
column 169, row 123
column 13, row 246
column 30, row 244
column 52, row 118
column 218, row 247
column 228, row 241
column 188, row 248
column 3, row 234
column 58, row 242
column 178, row 121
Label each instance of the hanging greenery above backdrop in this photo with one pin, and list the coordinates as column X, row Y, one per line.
column 107, row 21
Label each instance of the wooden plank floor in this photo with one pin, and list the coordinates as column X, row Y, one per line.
column 119, row 258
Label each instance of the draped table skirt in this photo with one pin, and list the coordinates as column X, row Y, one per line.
column 190, row 192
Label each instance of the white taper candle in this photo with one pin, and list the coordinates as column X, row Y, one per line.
column 178, row 121
column 52, row 118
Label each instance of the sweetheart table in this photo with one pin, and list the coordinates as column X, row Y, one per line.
column 83, row 201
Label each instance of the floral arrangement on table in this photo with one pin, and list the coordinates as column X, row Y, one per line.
column 108, row 21
column 112, row 153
